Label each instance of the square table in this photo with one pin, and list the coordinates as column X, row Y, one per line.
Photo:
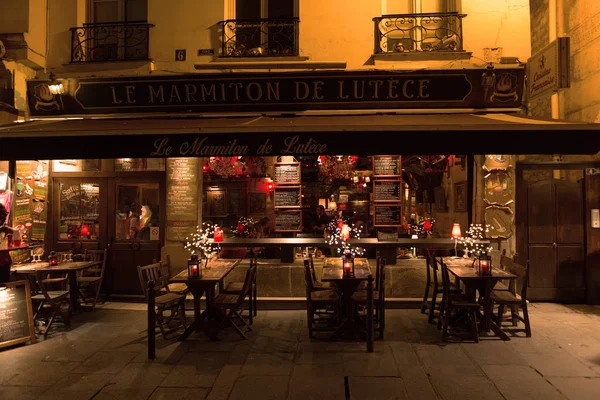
column 214, row 274
column 71, row 268
column 332, row 272
column 463, row 269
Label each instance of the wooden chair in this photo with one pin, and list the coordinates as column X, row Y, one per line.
column 452, row 305
column 513, row 299
column 173, row 302
column 166, row 273
column 317, row 285
column 64, row 256
column 319, row 300
column 237, row 287
column 230, row 306
column 360, row 296
column 437, row 288
column 90, row 280
column 53, row 297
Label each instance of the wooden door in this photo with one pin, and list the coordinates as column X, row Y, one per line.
column 136, row 226
column 79, row 219
column 555, row 240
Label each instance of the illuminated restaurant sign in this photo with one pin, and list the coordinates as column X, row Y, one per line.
column 472, row 88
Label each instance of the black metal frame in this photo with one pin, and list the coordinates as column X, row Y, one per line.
column 124, row 41
column 411, row 33
column 264, row 37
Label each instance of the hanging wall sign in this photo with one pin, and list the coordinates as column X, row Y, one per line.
column 387, row 166
column 548, row 70
column 387, row 191
column 288, row 196
column 387, row 215
column 288, row 221
column 286, row 173
column 285, row 91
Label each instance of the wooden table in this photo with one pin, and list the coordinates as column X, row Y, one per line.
column 332, row 272
column 71, row 268
column 215, row 273
column 462, row 269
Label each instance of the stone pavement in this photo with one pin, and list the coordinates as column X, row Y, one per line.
column 103, row 356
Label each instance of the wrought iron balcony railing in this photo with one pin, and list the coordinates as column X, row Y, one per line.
column 267, row 37
column 409, row 33
column 115, row 41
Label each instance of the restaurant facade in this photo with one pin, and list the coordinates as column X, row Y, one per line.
column 129, row 146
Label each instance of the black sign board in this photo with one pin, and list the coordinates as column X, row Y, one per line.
column 387, row 191
column 285, row 91
column 16, row 314
column 288, row 196
column 387, row 215
column 387, row 166
column 288, row 221
column 286, row 173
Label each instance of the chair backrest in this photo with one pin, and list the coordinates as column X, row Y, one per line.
column 165, row 268
column 308, row 277
column 522, row 272
column 97, row 255
column 148, row 273
column 435, row 269
column 381, row 280
column 312, row 269
column 64, row 256
column 250, row 276
column 445, row 284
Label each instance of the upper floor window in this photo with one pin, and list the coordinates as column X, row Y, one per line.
column 261, row 28
column 104, row 11
column 409, row 26
column 117, row 31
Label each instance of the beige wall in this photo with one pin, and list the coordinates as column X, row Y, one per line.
column 14, row 17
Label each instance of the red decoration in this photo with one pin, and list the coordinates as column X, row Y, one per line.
column 85, row 230
column 427, row 225
column 340, row 224
column 240, row 227
column 218, row 235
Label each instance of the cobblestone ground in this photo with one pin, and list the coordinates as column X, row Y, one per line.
column 103, row 356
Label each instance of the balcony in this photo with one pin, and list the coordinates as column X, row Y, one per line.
column 115, row 41
column 267, row 37
column 418, row 33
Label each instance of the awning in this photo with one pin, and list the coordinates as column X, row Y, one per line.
column 371, row 134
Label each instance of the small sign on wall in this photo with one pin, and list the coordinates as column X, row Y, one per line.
column 154, row 233
column 206, row 52
column 180, row 55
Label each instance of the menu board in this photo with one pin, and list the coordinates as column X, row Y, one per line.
column 288, row 196
column 16, row 314
column 286, row 173
column 387, row 215
column 70, row 202
column 387, row 190
column 182, row 197
column 387, row 166
column 288, row 221
column 31, row 192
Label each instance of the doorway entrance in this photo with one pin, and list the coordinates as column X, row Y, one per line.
column 122, row 214
column 551, row 231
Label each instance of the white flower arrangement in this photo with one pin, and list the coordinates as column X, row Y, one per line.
column 473, row 236
column 198, row 243
column 336, row 239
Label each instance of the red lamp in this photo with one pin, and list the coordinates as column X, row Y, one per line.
column 456, row 234
column 218, row 237
column 427, row 226
column 240, row 227
column 85, row 230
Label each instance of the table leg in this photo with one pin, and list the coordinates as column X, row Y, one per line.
column 195, row 326
column 349, row 321
column 73, row 291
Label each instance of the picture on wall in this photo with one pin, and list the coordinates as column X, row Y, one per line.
column 440, row 199
column 460, row 197
column 216, row 203
column 258, row 203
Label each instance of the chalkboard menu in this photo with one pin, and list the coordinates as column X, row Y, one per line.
column 16, row 314
column 387, row 191
column 182, row 197
column 387, row 215
column 288, row 221
column 387, row 166
column 288, row 197
column 286, row 173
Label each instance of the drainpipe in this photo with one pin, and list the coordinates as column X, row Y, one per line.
column 555, row 24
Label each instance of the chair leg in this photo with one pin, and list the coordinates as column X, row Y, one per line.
column 254, row 297
column 514, row 312
column 98, row 286
column 500, row 314
column 445, row 316
column 473, row 316
column 432, row 308
column 50, row 321
column 250, row 306
column 309, row 320
column 182, row 313
column 425, row 297
column 442, row 311
column 526, row 320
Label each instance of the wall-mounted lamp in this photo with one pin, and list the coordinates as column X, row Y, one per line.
column 55, row 86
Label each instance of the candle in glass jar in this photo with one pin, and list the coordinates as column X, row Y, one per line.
column 485, row 266
column 194, row 270
column 347, row 267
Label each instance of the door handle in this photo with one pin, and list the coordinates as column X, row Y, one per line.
column 110, row 241
column 554, row 244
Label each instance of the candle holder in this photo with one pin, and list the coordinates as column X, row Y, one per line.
column 484, row 264
column 52, row 258
column 194, row 270
column 348, row 266
column 218, row 235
